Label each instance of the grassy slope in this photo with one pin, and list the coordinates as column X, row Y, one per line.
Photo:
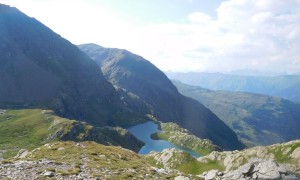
column 182, row 161
column 30, row 126
column 99, row 161
column 175, row 134
column 257, row 119
column 231, row 160
column 98, row 156
column 280, row 153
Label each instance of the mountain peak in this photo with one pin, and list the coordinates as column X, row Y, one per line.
column 146, row 89
column 40, row 68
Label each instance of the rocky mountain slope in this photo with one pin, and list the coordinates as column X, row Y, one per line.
column 89, row 160
column 145, row 88
column 85, row 160
column 278, row 161
column 30, row 128
column 257, row 119
column 39, row 68
column 285, row 86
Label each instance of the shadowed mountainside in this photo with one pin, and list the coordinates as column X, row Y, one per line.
column 39, row 68
column 257, row 119
column 145, row 88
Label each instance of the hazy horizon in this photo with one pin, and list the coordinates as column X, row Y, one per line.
column 183, row 35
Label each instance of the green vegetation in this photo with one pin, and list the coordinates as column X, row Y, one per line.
column 100, row 160
column 257, row 119
column 146, row 90
column 229, row 160
column 195, row 167
column 31, row 128
column 27, row 129
column 182, row 161
column 285, row 86
column 175, row 134
column 72, row 153
column 282, row 153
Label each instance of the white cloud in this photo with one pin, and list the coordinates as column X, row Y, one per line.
column 261, row 34
column 199, row 17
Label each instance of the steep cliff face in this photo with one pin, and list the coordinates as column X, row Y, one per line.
column 40, row 68
column 145, row 88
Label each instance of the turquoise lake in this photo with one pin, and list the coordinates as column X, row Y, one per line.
column 144, row 131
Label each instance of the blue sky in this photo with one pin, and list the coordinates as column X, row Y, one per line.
column 182, row 35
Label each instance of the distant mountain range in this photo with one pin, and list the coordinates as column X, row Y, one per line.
column 45, row 80
column 146, row 89
column 257, row 119
column 285, row 86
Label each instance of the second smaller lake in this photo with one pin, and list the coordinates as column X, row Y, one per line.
column 144, row 131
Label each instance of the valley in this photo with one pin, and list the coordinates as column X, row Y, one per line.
column 147, row 90
column 284, row 86
column 89, row 112
column 144, row 132
column 257, row 119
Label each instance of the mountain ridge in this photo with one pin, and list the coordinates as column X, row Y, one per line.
column 140, row 82
column 285, row 86
column 40, row 69
column 257, row 119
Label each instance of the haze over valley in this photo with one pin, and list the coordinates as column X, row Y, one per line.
column 149, row 89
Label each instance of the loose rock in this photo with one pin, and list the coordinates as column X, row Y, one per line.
column 181, row 178
column 48, row 174
column 212, row 174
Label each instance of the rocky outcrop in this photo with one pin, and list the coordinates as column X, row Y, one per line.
column 259, row 169
column 22, row 153
column 2, row 111
column 85, row 160
column 286, row 154
column 255, row 169
column 278, row 161
column 182, row 137
column 181, row 178
column 81, row 131
column 296, row 154
column 170, row 158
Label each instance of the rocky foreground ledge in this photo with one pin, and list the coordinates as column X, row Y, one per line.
column 279, row 161
column 85, row 160
column 89, row 160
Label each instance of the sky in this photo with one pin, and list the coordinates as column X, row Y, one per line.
column 182, row 35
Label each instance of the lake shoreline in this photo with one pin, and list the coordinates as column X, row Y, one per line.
column 147, row 132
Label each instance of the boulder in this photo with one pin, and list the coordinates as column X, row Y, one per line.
column 296, row 153
column 48, row 174
column 212, row 174
column 258, row 169
column 60, row 149
column 22, row 153
column 181, row 178
column 267, row 169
